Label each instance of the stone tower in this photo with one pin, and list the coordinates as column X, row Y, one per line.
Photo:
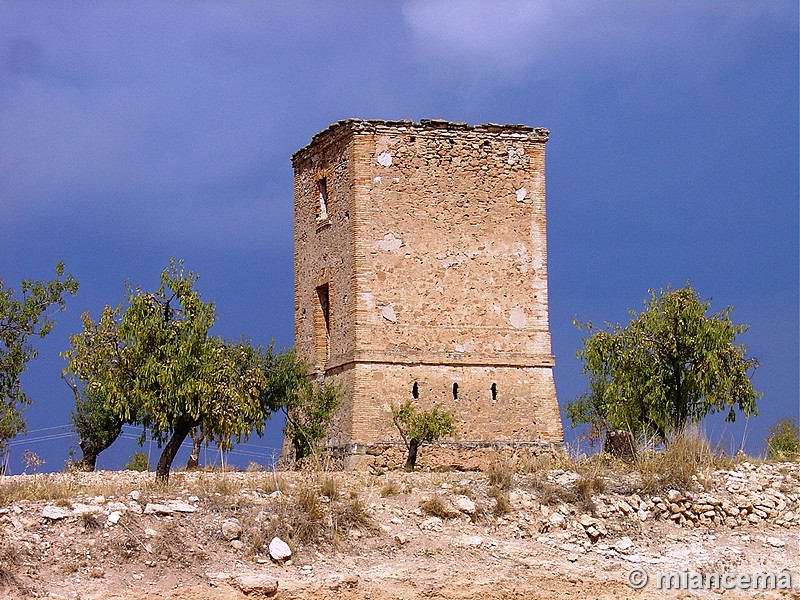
column 421, row 273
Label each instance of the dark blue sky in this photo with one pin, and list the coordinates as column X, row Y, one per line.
column 132, row 132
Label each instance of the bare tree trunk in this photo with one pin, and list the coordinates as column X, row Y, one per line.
column 413, row 446
column 179, row 434
column 194, row 455
column 89, row 460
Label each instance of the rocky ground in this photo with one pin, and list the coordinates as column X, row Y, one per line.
column 543, row 534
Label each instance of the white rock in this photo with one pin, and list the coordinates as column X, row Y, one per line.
column 79, row 509
column 183, row 507
column 557, row 521
column 55, row 513
column 776, row 542
column 256, row 585
column 624, row 544
column 135, row 495
column 387, row 312
column 674, row 496
column 113, row 518
column 231, row 529
column 587, row 521
column 279, row 550
column 158, row 509
column 465, row 505
column 431, row 524
column 471, row 541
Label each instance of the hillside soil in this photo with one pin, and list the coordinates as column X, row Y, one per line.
column 397, row 535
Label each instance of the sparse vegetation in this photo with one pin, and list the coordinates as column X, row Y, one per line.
column 502, row 503
column 587, row 485
column 783, row 442
column 138, row 462
column 390, row 489
column 501, row 473
column 438, row 507
column 684, row 456
column 315, row 510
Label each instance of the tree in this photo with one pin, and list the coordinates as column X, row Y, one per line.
column 418, row 428
column 156, row 364
column 309, row 407
column 20, row 319
column 671, row 366
column 97, row 426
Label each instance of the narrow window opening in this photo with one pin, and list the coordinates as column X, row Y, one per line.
column 494, row 392
column 415, row 391
column 322, row 326
column 455, row 391
column 322, row 187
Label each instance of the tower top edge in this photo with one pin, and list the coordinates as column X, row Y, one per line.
column 372, row 126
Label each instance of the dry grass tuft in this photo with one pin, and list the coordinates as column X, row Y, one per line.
column 586, row 487
column 391, row 489
column 502, row 503
column 684, row 458
column 330, row 487
column 501, row 474
column 438, row 507
column 547, row 461
column 464, row 490
column 315, row 510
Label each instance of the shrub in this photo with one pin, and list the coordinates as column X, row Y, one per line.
column 783, row 442
column 138, row 462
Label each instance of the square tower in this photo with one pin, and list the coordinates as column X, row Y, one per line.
column 421, row 273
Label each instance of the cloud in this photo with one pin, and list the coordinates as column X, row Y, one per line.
column 507, row 39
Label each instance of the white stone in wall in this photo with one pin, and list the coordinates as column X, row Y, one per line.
column 387, row 312
column 385, row 159
column 389, row 243
column 521, row 193
column 517, row 318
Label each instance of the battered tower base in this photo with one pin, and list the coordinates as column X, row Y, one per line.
column 441, row 456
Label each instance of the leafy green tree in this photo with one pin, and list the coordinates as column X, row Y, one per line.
column 671, row 366
column 157, row 365
column 417, row 428
column 309, row 407
column 783, row 442
column 20, row 319
column 97, row 426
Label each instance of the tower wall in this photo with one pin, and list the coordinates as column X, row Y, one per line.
column 433, row 250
